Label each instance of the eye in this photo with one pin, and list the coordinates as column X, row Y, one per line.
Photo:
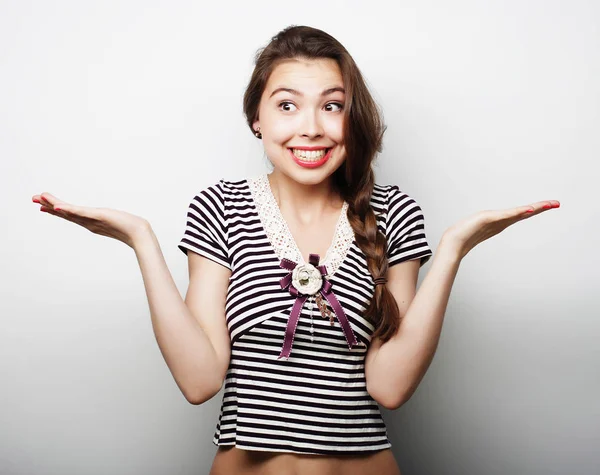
column 286, row 102
column 341, row 106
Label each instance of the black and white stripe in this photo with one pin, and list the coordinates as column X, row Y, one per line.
column 315, row 402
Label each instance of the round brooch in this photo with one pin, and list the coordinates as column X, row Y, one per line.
column 307, row 279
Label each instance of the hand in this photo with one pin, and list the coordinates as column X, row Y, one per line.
column 466, row 234
column 113, row 223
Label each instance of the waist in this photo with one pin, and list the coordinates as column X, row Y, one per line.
column 230, row 459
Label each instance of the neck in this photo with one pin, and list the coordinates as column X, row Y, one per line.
column 306, row 202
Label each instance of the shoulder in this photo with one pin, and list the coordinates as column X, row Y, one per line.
column 379, row 198
column 400, row 210
column 223, row 190
column 395, row 200
column 224, row 186
column 404, row 227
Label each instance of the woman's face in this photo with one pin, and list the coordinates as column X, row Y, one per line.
column 308, row 114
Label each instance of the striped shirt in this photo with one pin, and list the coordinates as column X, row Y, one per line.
column 315, row 401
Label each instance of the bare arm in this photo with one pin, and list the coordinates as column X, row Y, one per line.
column 197, row 366
column 192, row 334
column 400, row 364
column 397, row 366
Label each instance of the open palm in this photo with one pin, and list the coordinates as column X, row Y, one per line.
column 108, row 222
column 469, row 232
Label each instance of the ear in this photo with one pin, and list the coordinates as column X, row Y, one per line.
column 255, row 124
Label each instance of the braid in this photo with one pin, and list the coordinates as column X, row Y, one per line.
column 374, row 246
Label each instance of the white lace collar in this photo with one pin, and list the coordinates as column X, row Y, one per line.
column 280, row 237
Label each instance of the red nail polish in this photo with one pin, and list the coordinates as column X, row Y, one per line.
column 547, row 206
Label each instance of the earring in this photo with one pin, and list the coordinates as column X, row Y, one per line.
column 257, row 133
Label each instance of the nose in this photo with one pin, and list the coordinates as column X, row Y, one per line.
column 312, row 126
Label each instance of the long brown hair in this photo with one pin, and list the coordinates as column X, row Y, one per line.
column 363, row 135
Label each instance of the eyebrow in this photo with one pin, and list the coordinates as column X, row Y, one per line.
column 326, row 92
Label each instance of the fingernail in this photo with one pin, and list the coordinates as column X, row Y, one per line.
column 529, row 211
column 57, row 209
column 547, row 206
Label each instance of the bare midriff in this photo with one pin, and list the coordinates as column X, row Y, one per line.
column 231, row 460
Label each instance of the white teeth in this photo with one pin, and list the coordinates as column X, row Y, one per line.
column 309, row 156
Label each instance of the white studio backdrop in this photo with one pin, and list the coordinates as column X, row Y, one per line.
column 137, row 105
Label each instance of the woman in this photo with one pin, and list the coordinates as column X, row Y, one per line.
column 317, row 237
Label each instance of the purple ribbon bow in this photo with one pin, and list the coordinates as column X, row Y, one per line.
column 325, row 290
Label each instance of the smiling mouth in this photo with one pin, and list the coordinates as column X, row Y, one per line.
column 310, row 156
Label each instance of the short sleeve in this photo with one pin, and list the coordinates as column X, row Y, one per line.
column 206, row 226
column 405, row 229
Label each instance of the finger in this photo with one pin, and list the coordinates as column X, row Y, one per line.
column 38, row 199
column 540, row 207
column 81, row 211
column 546, row 203
column 54, row 212
column 48, row 198
column 50, row 201
column 551, row 204
column 524, row 212
column 510, row 214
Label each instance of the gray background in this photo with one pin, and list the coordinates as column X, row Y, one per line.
column 136, row 105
